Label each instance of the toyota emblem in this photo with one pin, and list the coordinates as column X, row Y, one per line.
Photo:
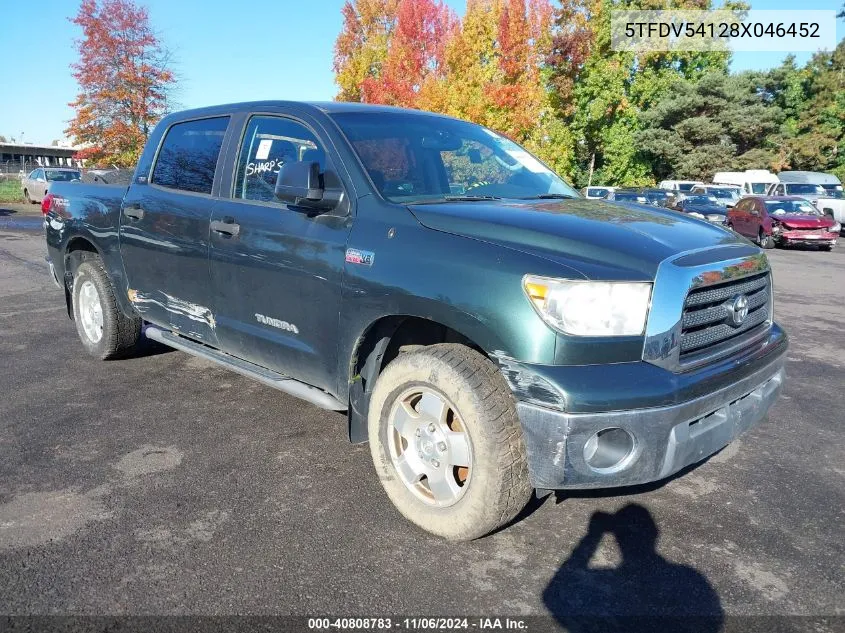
column 739, row 309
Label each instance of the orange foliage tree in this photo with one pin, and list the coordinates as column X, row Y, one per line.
column 486, row 67
column 124, row 79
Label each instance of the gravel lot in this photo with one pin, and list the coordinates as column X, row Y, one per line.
column 166, row 485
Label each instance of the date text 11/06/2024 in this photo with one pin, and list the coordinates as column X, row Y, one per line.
column 420, row 623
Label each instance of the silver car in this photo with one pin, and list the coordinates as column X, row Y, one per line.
column 35, row 185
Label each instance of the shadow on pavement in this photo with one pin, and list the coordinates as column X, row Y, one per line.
column 4, row 211
column 645, row 592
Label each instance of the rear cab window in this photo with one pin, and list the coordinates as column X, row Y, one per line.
column 187, row 158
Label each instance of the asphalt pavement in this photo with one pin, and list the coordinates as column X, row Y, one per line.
column 164, row 484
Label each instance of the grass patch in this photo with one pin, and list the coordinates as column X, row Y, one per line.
column 10, row 190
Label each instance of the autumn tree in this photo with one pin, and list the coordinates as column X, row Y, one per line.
column 124, row 80
column 361, row 46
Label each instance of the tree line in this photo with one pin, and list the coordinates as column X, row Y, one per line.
column 546, row 76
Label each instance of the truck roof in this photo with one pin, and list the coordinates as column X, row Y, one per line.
column 327, row 107
column 809, row 177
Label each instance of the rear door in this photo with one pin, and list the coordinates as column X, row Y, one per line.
column 164, row 229
column 276, row 270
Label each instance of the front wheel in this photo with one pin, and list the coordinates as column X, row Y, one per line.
column 104, row 330
column 27, row 197
column 446, row 442
column 765, row 241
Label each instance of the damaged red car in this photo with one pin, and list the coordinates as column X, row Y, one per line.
column 783, row 220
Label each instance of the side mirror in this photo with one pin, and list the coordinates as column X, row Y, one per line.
column 299, row 182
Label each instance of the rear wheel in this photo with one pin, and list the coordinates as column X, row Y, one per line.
column 104, row 330
column 446, row 442
column 765, row 241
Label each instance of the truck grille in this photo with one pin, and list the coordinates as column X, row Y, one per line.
column 708, row 317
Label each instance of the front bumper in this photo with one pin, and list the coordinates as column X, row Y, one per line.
column 826, row 238
column 665, row 439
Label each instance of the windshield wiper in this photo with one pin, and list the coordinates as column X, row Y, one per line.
column 455, row 199
column 470, row 198
column 550, row 196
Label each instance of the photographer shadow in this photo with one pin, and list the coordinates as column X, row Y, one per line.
column 645, row 592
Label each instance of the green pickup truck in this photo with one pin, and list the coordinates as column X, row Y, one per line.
column 488, row 330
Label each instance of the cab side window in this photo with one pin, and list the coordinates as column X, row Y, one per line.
column 188, row 156
column 269, row 143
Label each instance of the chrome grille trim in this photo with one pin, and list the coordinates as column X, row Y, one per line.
column 721, row 271
column 722, row 292
column 721, row 332
column 719, row 312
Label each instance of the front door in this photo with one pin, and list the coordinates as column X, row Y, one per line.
column 276, row 271
column 164, row 229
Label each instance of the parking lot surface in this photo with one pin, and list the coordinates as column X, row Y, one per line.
column 163, row 484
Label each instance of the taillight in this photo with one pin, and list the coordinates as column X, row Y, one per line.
column 54, row 203
column 45, row 203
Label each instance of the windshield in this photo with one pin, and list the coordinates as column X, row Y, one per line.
column 759, row 187
column 685, row 186
column 630, row 196
column 803, row 189
column 702, row 199
column 790, row 207
column 61, row 175
column 723, row 193
column 416, row 158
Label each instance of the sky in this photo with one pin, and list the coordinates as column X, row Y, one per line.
column 225, row 51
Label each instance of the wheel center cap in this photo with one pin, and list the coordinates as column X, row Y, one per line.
column 427, row 447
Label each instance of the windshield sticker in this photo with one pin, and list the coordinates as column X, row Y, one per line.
column 364, row 258
column 263, row 151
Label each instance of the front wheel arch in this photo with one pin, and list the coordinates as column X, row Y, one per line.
column 380, row 343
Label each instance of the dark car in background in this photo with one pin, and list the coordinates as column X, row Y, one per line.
column 594, row 193
column 725, row 195
column 782, row 221
column 701, row 206
column 627, row 195
column 656, row 197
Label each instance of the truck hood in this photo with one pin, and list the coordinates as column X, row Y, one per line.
column 598, row 238
column 801, row 221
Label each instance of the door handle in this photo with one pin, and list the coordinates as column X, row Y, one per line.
column 226, row 227
column 133, row 211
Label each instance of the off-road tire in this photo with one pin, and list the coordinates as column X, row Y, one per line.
column 498, row 488
column 121, row 334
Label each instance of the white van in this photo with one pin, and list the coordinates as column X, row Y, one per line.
column 682, row 186
column 752, row 181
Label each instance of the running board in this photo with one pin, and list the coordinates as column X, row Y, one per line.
column 317, row 397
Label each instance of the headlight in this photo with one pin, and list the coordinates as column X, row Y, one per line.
column 590, row 308
column 835, row 228
column 716, row 217
column 776, row 228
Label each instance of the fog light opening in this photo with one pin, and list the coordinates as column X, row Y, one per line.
column 608, row 450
